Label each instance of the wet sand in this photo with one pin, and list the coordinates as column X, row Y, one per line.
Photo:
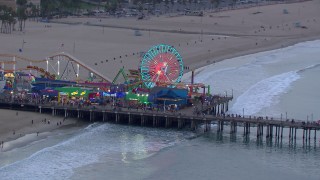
column 27, row 126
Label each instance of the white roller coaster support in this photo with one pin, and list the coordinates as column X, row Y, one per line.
column 14, row 64
column 78, row 69
column 47, row 65
column 82, row 64
column 58, row 65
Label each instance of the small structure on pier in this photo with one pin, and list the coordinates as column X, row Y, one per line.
column 163, row 95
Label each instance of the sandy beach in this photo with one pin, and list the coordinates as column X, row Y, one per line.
column 100, row 42
column 18, row 128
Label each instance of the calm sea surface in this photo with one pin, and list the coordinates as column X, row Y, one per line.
column 283, row 81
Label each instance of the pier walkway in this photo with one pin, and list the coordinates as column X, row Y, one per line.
column 213, row 114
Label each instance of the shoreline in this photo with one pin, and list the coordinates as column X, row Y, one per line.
column 279, row 45
column 290, row 40
column 102, row 48
column 20, row 133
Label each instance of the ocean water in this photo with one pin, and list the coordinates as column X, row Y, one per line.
column 283, row 81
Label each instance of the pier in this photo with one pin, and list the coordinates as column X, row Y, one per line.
column 267, row 127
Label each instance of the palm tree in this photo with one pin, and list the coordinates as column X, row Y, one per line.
column 7, row 19
column 21, row 13
column 48, row 7
column 2, row 17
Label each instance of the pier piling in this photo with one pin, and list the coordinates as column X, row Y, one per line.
column 156, row 119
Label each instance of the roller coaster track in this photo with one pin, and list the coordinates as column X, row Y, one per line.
column 82, row 64
column 42, row 71
column 15, row 58
column 20, row 58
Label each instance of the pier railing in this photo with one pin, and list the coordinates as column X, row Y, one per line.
column 274, row 127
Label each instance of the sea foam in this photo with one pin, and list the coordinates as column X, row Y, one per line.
column 263, row 94
column 87, row 147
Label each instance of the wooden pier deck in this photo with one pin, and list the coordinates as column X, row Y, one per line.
column 272, row 127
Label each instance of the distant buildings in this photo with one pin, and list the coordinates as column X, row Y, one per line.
column 13, row 4
column 35, row 2
column 9, row 3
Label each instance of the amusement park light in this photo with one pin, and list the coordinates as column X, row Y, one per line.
column 162, row 63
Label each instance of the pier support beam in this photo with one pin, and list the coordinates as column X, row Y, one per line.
column 103, row 116
column 231, row 127
column 290, row 131
column 179, row 123
column 130, row 118
column 220, row 126
column 193, row 124
column 52, row 111
column 167, row 122
column 207, row 124
column 142, row 120
column 40, row 109
column 117, row 117
column 246, row 128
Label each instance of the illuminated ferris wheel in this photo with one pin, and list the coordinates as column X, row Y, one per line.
column 162, row 64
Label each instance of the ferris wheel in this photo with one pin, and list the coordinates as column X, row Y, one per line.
column 162, row 64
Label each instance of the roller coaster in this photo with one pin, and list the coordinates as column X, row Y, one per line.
column 60, row 66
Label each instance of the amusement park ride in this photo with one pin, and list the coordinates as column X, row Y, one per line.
column 161, row 66
column 61, row 66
